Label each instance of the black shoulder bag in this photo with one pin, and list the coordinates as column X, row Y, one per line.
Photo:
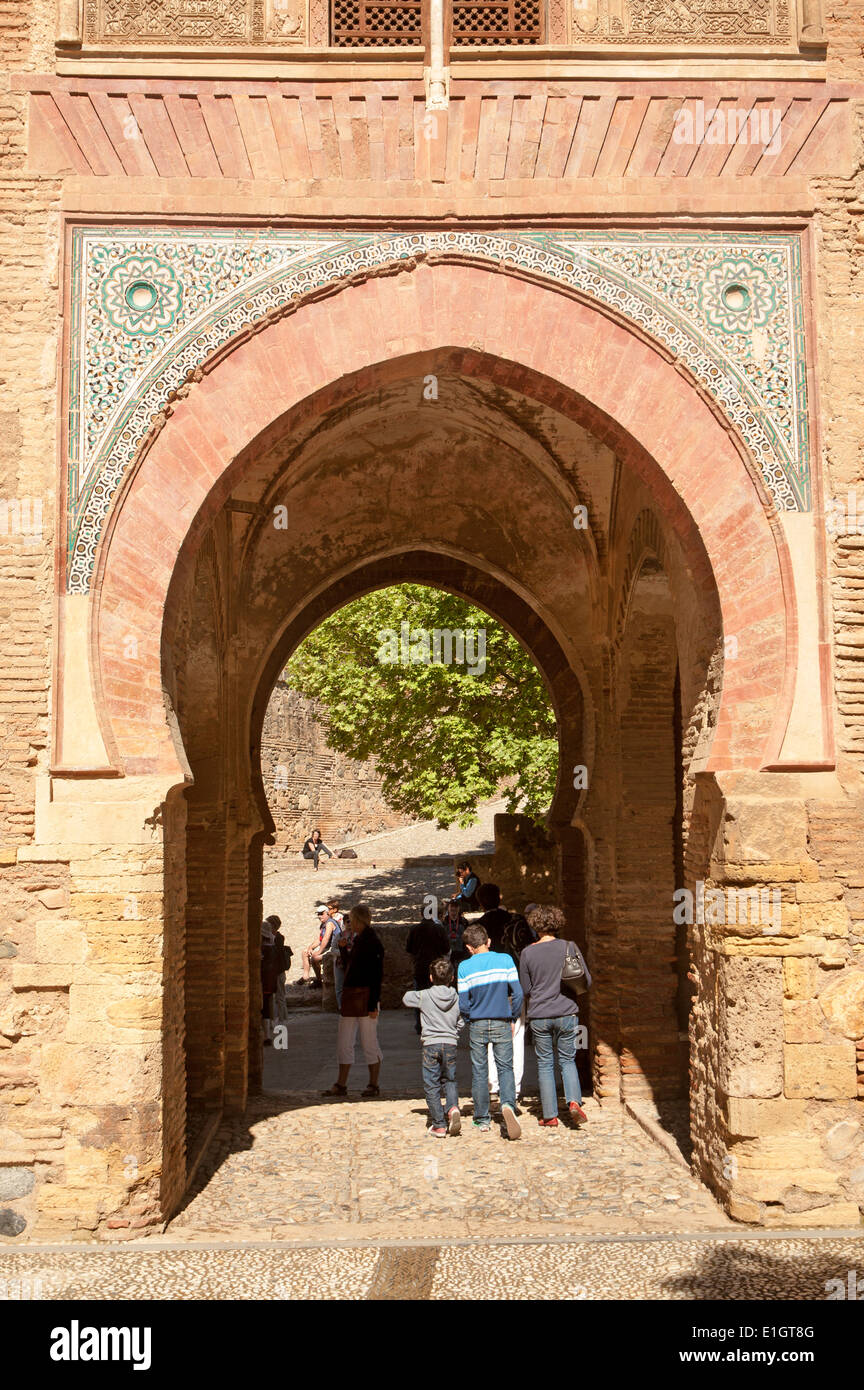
column 574, row 972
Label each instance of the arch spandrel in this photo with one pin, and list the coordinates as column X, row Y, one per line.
column 542, row 343
column 727, row 306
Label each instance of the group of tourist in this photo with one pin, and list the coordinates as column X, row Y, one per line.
column 483, row 967
column 507, row 969
column 357, row 956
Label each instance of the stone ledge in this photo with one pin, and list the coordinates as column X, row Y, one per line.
column 41, row 976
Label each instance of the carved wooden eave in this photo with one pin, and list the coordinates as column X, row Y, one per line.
column 289, row 28
column 531, row 136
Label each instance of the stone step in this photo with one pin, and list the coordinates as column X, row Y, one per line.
column 275, row 864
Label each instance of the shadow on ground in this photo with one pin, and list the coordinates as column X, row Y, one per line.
column 733, row 1271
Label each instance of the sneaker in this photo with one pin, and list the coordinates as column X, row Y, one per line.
column 511, row 1124
column 483, row 1126
column 454, row 1121
column 548, row 1124
column 438, row 1132
column 578, row 1114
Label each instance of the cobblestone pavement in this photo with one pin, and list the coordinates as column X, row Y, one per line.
column 664, row 1268
column 301, row 1165
column 379, row 876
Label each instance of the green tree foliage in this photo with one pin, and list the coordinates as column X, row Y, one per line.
column 445, row 736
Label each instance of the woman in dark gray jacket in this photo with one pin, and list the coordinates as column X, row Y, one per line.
column 553, row 1014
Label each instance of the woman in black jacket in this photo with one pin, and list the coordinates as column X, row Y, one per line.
column 314, row 847
column 361, row 994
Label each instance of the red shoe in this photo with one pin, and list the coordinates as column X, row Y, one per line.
column 578, row 1114
column 548, row 1124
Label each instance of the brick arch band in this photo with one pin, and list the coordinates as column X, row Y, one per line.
column 523, row 334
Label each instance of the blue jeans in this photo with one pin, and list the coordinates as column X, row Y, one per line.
column 548, row 1032
column 439, row 1070
column 338, row 982
column 498, row 1032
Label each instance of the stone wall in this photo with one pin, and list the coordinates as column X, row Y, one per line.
column 526, row 863
column 309, row 784
column 778, row 1019
column 37, row 938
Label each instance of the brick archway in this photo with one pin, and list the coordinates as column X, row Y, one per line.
column 627, row 391
column 568, row 688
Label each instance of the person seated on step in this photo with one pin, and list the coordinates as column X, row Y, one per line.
column 316, row 950
column 469, row 882
column 315, row 847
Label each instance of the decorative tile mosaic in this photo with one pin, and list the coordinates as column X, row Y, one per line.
column 149, row 305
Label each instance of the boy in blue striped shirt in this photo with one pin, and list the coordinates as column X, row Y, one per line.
column 490, row 998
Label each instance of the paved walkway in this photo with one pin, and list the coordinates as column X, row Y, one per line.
column 666, row 1268
column 298, row 1165
column 380, row 876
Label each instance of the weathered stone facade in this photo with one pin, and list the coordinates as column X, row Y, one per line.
column 606, row 309
column 309, row 784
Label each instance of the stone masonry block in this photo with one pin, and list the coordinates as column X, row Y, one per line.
column 819, row 892
column 758, row 1118
column 760, row 829
column 52, row 898
column 800, row 978
column 26, row 976
column 64, row 1209
column 824, row 919
column 86, row 1075
column 825, row 1071
column 772, row 872
column 60, row 943
column 845, row 1214
column 802, row 1021
column 842, row 1003
column 751, row 1027
column 841, row 1140
column 783, row 1151
column 769, row 1184
column 142, row 1014
column 115, row 906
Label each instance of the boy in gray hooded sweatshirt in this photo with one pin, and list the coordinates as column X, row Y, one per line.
column 440, row 1021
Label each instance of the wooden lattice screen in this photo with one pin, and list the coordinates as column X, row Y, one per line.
column 397, row 23
column 496, row 21
column 375, row 24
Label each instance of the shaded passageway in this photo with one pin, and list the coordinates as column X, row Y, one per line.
column 297, row 1165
